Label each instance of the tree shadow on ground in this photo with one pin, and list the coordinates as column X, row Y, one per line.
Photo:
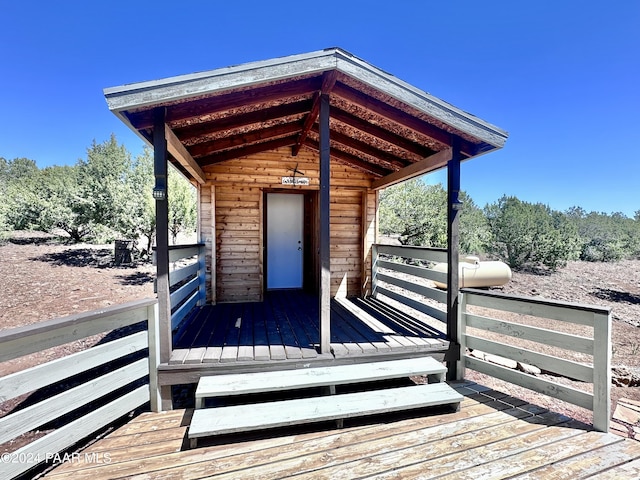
column 616, row 296
column 137, row 278
column 79, row 257
column 37, row 240
column 97, row 258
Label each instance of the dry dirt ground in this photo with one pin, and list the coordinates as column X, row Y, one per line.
column 43, row 278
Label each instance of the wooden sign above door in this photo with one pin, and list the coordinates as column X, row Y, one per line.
column 295, row 181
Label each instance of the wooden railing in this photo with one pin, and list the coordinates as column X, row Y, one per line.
column 389, row 260
column 89, row 404
column 186, row 280
column 589, row 355
column 595, row 369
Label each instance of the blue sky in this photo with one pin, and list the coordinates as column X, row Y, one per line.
column 562, row 77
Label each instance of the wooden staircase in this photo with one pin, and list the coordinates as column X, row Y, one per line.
column 255, row 416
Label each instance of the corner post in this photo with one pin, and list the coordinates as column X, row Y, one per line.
column 462, row 329
column 325, row 236
column 453, row 256
column 602, row 371
column 160, row 193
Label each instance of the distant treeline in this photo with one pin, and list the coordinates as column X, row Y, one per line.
column 522, row 234
column 108, row 195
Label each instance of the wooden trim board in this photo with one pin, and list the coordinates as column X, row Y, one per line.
column 245, row 383
column 239, row 418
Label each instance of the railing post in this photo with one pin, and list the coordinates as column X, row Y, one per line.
column 602, row 371
column 374, row 269
column 153, row 330
column 461, row 329
column 202, row 277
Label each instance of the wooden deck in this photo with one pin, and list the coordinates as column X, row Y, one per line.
column 285, row 327
column 492, row 436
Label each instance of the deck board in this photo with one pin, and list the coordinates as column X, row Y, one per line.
column 492, row 436
column 298, row 343
column 285, row 327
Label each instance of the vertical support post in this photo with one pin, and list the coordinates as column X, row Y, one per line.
column 162, row 241
column 214, row 246
column 154, row 357
column 325, row 236
column 453, row 256
column 602, row 371
column 365, row 287
column 374, row 249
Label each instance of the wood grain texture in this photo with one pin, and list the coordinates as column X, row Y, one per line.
column 237, row 216
column 239, row 418
column 285, row 326
column 225, row 385
column 490, row 430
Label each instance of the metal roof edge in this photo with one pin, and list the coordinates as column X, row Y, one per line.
column 149, row 93
column 418, row 98
column 133, row 94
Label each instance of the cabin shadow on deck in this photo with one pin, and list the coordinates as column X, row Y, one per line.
column 284, row 327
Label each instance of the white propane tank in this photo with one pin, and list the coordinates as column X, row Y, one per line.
column 474, row 273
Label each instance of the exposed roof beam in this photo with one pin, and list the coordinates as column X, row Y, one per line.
column 393, row 162
column 248, row 150
column 184, row 158
column 401, row 118
column 381, row 133
column 425, row 165
column 246, row 138
column 328, row 82
column 349, row 159
column 191, row 132
column 194, row 109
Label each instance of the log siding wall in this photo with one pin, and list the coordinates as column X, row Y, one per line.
column 232, row 207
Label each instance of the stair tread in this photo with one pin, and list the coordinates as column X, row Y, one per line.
column 244, row 383
column 240, row 418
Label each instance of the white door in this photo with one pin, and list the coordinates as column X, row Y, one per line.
column 285, row 217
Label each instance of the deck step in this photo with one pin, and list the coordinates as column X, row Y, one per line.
column 241, row 418
column 274, row 381
column 258, row 416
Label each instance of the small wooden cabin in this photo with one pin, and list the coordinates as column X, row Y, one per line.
column 288, row 156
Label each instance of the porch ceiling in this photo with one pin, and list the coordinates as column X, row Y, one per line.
column 378, row 123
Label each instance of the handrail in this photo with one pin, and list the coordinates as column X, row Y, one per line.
column 597, row 346
column 128, row 364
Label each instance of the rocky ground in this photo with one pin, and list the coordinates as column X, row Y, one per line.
column 42, row 278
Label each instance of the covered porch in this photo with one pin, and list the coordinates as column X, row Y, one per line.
column 288, row 156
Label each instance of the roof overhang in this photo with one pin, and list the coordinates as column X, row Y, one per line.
column 378, row 123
